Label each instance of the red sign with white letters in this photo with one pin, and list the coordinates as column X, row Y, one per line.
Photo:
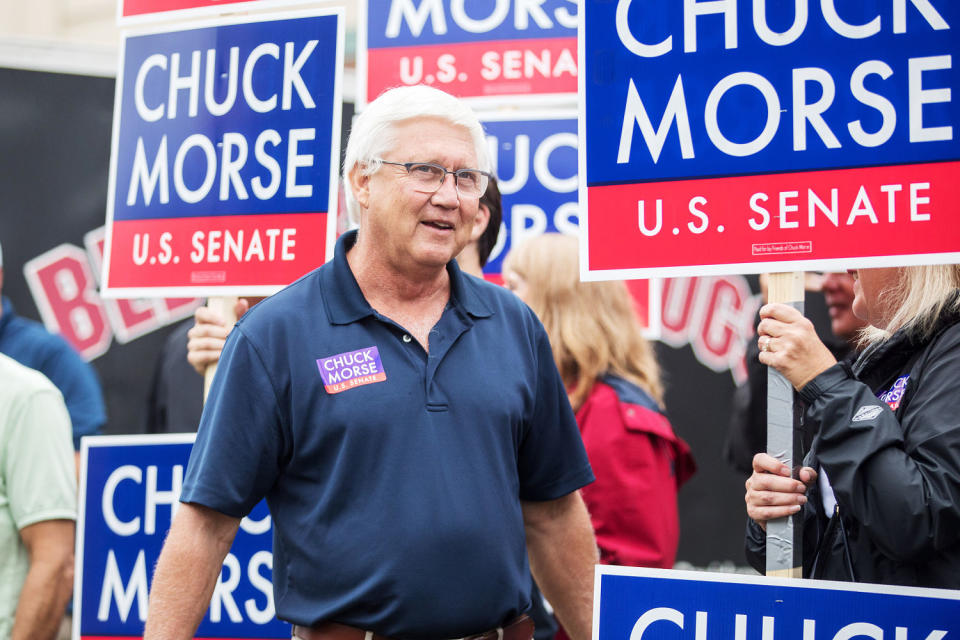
column 132, row 9
column 876, row 212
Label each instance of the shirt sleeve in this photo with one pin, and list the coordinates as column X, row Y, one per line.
column 238, row 452
column 553, row 461
column 78, row 382
column 38, row 463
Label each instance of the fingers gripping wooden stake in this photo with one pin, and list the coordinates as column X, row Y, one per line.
column 226, row 307
column 784, row 553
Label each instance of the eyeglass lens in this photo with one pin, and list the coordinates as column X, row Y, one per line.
column 431, row 176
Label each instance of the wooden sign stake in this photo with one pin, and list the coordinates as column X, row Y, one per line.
column 224, row 305
column 784, row 553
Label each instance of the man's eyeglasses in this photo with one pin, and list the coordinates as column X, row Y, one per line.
column 428, row 177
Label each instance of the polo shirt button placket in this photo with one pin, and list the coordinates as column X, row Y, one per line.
column 406, row 337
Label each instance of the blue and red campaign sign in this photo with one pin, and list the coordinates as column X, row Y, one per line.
column 223, row 169
column 535, row 159
column 638, row 604
column 477, row 49
column 739, row 137
column 129, row 490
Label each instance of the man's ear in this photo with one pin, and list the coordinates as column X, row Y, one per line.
column 480, row 223
column 360, row 183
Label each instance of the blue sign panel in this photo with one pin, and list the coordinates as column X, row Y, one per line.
column 129, row 491
column 648, row 604
column 399, row 23
column 535, row 158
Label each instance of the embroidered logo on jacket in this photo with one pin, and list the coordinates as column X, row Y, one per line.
column 867, row 412
column 895, row 393
column 351, row 369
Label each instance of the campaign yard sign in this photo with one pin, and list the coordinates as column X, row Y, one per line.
column 129, row 490
column 742, row 137
column 225, row 153
column 643, row 604
column 534, row 156
column 483, row 50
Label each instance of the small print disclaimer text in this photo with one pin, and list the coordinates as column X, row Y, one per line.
column 769, row 248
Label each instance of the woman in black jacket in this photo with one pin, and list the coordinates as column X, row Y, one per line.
column 880, row 489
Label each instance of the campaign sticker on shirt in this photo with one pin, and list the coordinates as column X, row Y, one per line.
column 351, row 369
column 895, row 393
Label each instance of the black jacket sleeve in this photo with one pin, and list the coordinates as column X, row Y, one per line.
column 898, row 478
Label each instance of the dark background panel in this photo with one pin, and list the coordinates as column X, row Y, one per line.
column 712, row 515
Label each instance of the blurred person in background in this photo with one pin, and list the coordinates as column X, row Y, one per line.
column 30, row 344
column 613, row 382
column 880, row 489
column 38, row 504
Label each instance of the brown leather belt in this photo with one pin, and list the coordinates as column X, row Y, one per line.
column 520, row 629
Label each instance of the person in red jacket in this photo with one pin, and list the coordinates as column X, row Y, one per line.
column 613, row 383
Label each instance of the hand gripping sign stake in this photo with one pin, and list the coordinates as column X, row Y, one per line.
column 225, row 306
column 784, row 554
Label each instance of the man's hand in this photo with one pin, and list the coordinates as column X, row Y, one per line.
column 772, row 493
column 208, row 334
column 187, row 571
column 49, row 582
column 563, row 553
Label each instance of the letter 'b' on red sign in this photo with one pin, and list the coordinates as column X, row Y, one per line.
column 61, row 280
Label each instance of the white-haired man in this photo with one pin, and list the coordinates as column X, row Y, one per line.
column 405, row 423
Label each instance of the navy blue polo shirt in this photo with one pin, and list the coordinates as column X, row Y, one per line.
column 394, row 476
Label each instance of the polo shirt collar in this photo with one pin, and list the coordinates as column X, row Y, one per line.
column 345, row 302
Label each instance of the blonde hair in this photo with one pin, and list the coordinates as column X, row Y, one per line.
column 920, row 295
column 592, row 326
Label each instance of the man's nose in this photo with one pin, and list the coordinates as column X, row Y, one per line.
column 447, row 195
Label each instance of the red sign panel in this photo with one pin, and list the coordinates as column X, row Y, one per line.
column 745, row 220
column 132, row 9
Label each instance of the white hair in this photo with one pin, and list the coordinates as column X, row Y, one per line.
column 372, row 133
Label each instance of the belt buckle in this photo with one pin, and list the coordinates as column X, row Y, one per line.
column 485, row 635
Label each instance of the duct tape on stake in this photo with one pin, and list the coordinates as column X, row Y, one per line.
column 784, row 552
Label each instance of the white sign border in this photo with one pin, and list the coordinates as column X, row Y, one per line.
column 106, row 290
